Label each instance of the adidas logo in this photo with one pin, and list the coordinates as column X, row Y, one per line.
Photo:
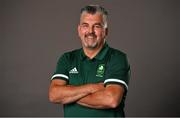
column 74, row 70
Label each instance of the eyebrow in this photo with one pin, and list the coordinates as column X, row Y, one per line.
column 84, row 23
column 98, row 24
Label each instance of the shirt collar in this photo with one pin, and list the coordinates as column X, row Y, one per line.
column 102, row 53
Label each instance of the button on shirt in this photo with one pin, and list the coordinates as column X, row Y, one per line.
column 109, row 66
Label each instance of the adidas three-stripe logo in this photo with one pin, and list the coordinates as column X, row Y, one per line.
column 74, row 70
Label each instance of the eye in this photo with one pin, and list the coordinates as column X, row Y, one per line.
column 84, row 26
column 98, row 26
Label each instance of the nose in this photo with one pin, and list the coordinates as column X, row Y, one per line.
column 91, row 29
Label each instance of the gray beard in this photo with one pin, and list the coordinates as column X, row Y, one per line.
column 91, row 47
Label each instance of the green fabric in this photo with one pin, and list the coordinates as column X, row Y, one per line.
column 109, row 66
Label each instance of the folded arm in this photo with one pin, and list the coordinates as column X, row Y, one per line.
column 110, row 97
column 60, row 92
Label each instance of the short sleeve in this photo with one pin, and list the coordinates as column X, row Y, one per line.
column 61, row 71
column 118, row 70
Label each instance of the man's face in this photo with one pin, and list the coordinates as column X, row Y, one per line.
column 92, row 31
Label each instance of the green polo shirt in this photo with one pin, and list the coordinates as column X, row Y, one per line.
column 109, row 66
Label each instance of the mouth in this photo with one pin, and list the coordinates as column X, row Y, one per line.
column 90, row 36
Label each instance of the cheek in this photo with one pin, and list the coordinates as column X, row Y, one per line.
column 100, row 33
column 82, row 32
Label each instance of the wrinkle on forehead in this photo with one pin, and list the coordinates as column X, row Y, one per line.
column 91, row 18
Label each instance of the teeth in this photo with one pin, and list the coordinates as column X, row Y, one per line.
column 90, row 37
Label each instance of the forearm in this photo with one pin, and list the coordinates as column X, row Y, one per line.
column 72, row 97
column 67, row 93
column 107, row 98
column 97, row 100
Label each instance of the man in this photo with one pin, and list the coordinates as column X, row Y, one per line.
column 93, row 80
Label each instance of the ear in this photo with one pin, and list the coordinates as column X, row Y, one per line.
column 106, row 31
column 78, row 28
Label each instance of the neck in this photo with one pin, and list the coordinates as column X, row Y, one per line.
column 91, row 53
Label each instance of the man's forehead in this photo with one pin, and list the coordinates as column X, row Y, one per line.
column 88, row 16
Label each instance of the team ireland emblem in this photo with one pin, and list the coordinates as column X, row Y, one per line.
column 100, row 70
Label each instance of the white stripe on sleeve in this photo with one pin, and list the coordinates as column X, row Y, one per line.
column 59, row 75
column 116, row 80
